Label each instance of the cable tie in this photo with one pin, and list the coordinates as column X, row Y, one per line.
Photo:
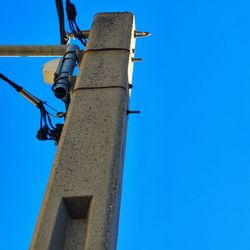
column 100, row 87
column 105, row 49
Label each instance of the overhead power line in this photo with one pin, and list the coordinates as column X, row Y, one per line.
column 74, row 28
column 60, row 13
column 47, row 130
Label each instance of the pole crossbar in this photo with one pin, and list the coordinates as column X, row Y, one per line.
column 32, row 50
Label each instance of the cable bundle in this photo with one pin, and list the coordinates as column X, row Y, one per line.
column 71, row 13
column 47, row 131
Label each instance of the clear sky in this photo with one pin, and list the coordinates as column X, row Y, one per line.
column 187, row 169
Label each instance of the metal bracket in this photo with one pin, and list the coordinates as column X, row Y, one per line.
column 139, row 34
column 133, row 112
column 136, row 59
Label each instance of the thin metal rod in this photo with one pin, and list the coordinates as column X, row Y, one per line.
column 85, row 33
column 32, row 50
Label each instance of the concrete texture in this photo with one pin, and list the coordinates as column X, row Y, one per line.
column 81, row 206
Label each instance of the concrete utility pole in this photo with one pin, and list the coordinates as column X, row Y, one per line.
column 81, row 206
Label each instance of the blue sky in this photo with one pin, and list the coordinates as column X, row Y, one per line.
column 187, row 169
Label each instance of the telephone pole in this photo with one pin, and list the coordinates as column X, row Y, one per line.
column 81, row 206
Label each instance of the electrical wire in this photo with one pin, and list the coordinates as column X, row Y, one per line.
column 47, row 130
column 60, row 13
column 71, row 14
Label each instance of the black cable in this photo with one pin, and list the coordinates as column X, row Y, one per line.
column 80, row 32
column 47, row 130
column 60, row 14
column 71, row 14
column 14, row 85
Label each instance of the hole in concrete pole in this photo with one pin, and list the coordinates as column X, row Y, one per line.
column 71, row 224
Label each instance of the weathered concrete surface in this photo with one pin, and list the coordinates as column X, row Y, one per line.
column 81, row 206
